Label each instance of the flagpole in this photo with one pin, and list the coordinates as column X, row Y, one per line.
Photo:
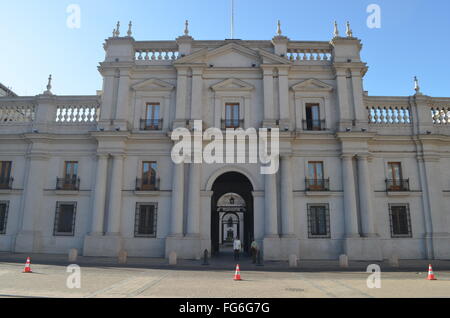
column 232, row 19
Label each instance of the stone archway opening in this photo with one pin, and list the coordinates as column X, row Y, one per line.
column 231, row 212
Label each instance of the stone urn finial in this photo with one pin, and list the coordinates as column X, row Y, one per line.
column 186, row 28
column 336, row 30
column 118, row 29
column 130, row 25
column 349, row 31
column 49, row 86
column 279, row 32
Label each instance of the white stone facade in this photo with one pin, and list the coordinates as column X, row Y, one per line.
column 273, row 82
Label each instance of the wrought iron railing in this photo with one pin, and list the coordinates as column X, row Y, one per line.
column 393, row 185
column 151, row 124
column 6, row 183
column 232, row 123
column 317, row 184
column 314, row 125
column 68, row 183
column 147, row 184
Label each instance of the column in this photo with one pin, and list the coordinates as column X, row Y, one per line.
column 176, row 225
column 358, row 101
column 268, row 94
column 193, row 221
column 283, row 94
column 196, row 101
column 271, row 213
column 115, row 196
column 99, row 195
column 365, row 196
column 348, row 181
column 287, row 200
column 180, row 110
column 342, row 87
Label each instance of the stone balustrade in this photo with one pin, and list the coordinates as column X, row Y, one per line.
column 309, row 55
column 151, row 51
column 61, row 110
column 386, row 114
column 440, row 114
column 17, row 110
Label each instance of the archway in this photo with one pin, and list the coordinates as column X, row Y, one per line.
column 232, row 186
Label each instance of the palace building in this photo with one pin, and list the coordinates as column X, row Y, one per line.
column 366, row 176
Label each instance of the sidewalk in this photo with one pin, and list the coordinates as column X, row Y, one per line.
column 223, row 262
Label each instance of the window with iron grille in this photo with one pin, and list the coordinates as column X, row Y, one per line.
column 400, row 220
column 145, row 221
column 318, row 221
column 65, row 219
column 4, row 206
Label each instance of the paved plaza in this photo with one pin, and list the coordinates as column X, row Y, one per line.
column 104, row 278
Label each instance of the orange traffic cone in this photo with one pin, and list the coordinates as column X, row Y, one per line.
column 27, row 268
column 430, row 273
column 237, row 274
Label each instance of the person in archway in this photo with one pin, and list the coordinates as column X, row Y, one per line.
column 237, row 246
column 254, row 250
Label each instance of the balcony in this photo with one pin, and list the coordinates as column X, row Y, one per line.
column 68, row 184
column 151, row 124
column 313, row 125
column 317, row 184
column 398, row 185
column 6, row 183
column 232, row 123
column 147, row 185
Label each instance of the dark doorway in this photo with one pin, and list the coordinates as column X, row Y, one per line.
column 232, row 182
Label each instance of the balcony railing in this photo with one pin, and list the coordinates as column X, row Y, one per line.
column 232, row 123
column 68, row 183
column 151, row 124
column 397, row 185
column 313, row 125
column 317, row 184
column 147, row 185
column 6, row 183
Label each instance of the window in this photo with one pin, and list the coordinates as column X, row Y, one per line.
column 65, row 219
column 152, row 119
column 400, row 220
column 395, row 181
column 70, row 180
column 71, row 169
column 5, row 174
column 4, row 205
column 316, row 180
column 313, row 117
column 149, row 180
column 318, row 221
column 232, row 115
column 145, row 221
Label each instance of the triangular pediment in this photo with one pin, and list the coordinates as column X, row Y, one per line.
column 153, row 84
column 312, row 85
column 270, row 58
column 232, row 84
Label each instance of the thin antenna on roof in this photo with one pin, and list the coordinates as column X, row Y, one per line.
column 232, row 19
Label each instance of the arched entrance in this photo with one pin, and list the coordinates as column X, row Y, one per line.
column 231, row 211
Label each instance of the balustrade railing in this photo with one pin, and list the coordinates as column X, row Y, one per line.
column 76, row 114
column 389, row 115
column 440, row 115
column 16, row 112
column 309, row 55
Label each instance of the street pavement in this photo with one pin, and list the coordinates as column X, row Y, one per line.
column 104, row 278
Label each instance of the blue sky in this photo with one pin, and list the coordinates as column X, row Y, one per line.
column 414, row 38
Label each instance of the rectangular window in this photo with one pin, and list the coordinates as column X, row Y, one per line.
column 232, row 115
column 65, row 219
column 71, row 170
column 145, row 220
column 395, row 172
column 313, row 117
column 400, row 220
column 152, row 120
column 5, row 174
column 152, row 111
column 315, row 180
column 4, row 206
column 149, row 175
column 318, row 221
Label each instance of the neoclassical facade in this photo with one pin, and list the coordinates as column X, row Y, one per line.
column 366, row 176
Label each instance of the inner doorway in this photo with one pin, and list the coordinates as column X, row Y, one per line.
column 231, row 212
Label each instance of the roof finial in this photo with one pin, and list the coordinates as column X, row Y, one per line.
column 279, row 32
column 416, row 85
column 118, row 29
column 129, row 33
column 336, row 30
column 114, row 33
column 186, row 27
column 49, row 86
column 349, row 31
